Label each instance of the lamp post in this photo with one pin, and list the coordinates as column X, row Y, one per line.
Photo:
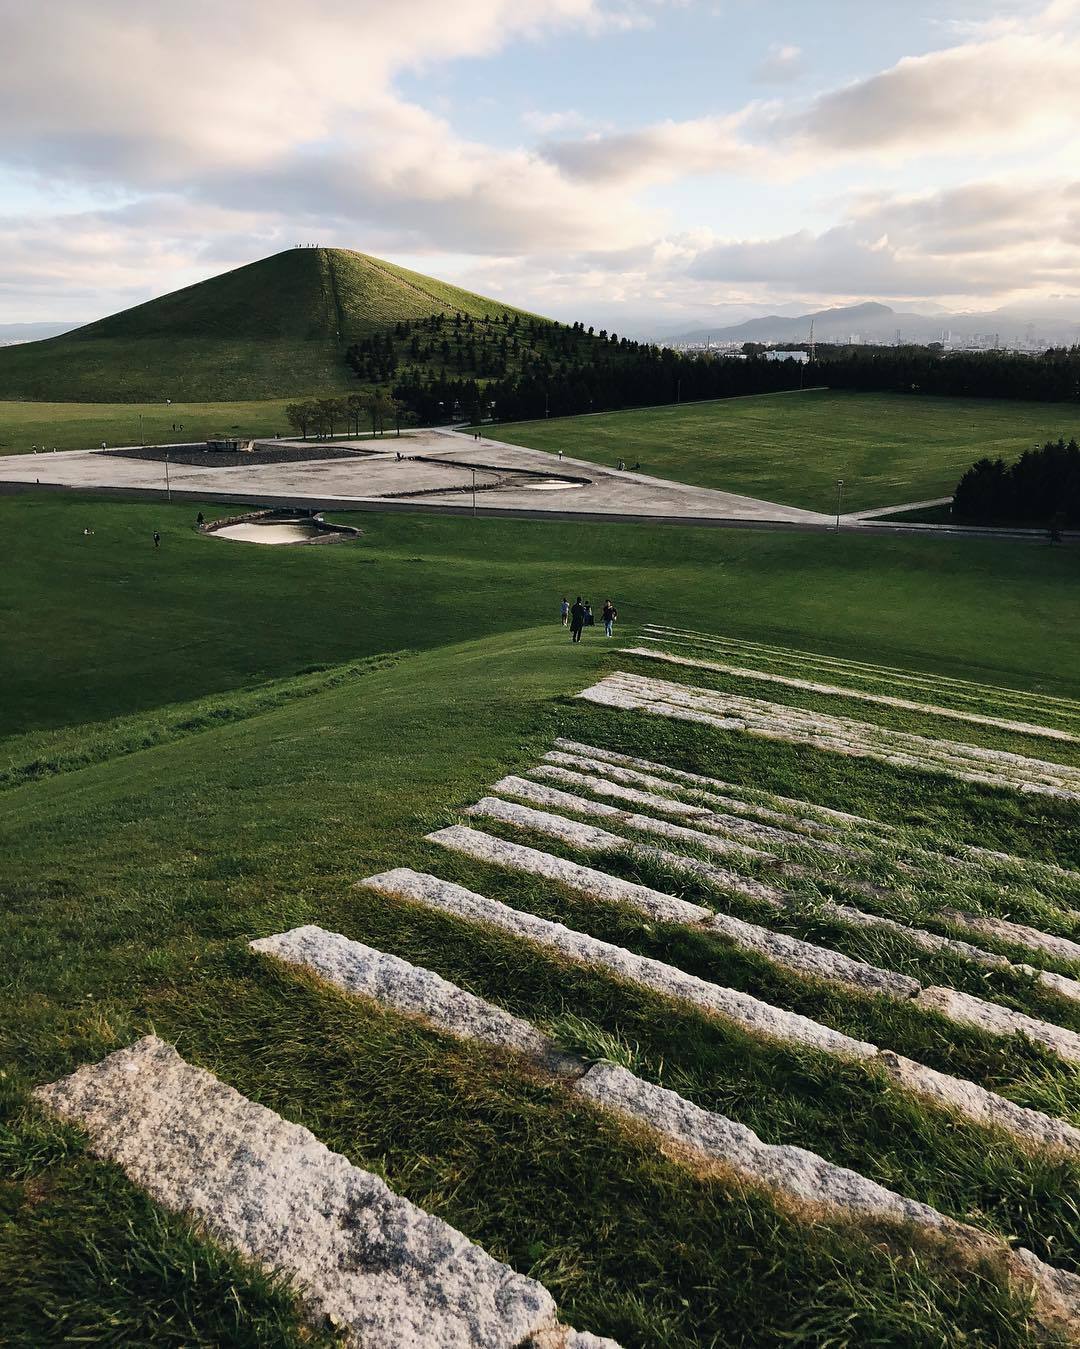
column 168, row 484
column 474, row 493
column 839, row 500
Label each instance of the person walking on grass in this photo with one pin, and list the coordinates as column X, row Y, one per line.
column 589, row 620
column 565, row 611
column 609, row 614
column 157, row 539
column 577, row 619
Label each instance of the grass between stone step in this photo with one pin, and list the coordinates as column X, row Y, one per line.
column 627, row 1241
column 875, row 714
column 807, row 918
column 1016, row 1068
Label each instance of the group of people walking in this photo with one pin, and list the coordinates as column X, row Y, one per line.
column 579, row 615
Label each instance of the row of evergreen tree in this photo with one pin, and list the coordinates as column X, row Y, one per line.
column 1041, row 488
column 638, row 376
column 1046, row 376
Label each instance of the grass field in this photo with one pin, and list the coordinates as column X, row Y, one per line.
column 181, row 785
column 792, row 448
column 83, row 426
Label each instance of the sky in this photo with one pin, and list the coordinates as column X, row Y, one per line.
column 642, row 162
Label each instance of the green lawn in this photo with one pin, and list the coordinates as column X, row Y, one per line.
column 109, row 626
column 792, row 448
column 236, row 797
column 83, row 426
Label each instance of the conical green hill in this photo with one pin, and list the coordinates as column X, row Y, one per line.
column 274, row 328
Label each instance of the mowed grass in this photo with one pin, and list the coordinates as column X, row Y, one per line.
column 104, row 625
column 889, row 449
column 83, row 426
column 279, row 326
column 135, row 874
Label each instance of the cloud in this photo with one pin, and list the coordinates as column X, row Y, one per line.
column 654, row 154
column 290, row 109
column 783, row 64
column 977, row 240
column 992, row 94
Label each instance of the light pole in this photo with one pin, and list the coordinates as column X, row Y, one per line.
column 839, row 500
column 678, row 391
column 474, row 493
column 547, row 412
column 168, row 484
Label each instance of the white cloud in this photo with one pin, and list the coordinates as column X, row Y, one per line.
column 782, row 64
column 985, row 95
column 977, row 240
column 655, row 154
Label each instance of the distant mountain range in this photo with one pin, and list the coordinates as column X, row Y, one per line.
column 875, row 322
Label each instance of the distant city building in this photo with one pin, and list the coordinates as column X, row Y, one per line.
column 799, row 357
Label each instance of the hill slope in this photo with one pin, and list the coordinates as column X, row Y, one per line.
column 275, row 328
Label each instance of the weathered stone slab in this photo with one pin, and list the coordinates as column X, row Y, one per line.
column 791, row 952
column 393, row 982
column 591, row 839
column 653, row 903
column 540, row 794
column 962, row 690
column 859, row 695
column 702, row 816
column 392, row 1275
column 997, row 1020
column 818, row 1186
column 1018, row 934
column 1030, row 1127
column 840, row 735
column 749, row 1013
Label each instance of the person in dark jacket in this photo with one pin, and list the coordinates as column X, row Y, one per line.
column 609, row 614
column 577, row 619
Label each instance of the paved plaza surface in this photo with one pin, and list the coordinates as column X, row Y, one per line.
column 436, row 471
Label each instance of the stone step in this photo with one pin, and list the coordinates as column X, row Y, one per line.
column 932, row 942
column 1032, row 1128
column 789, row 812
column 361, row 1257
column 859, row 695
column 801, row 957
column 962, row 690
column 838, row 735
column 810, row 1185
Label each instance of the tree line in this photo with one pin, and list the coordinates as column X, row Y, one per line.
column 1041, row 488
column 1048, row 376
column 323, row 417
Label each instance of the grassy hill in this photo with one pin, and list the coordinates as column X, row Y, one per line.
column 195, row 789
column 276, row 328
